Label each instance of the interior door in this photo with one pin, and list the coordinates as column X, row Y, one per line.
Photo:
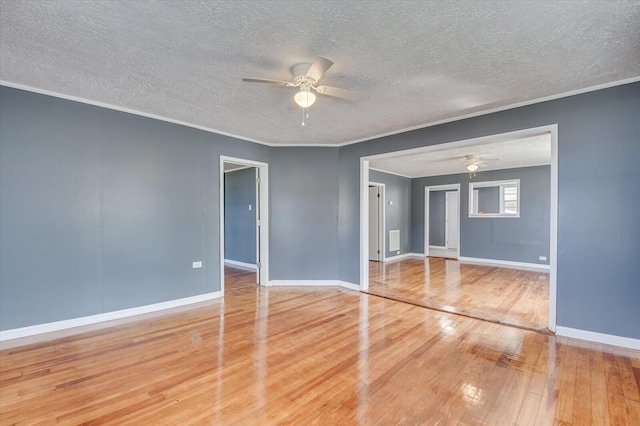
column 374, row 220
column 451, row 233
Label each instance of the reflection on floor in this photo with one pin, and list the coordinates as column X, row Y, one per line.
column 443, row 252
column 507, row 296
column 325, row 356
column 238, row 280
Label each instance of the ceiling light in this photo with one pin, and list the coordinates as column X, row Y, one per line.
column 472, row 167
column 304, row 98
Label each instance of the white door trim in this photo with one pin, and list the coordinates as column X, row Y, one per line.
column 382, row 231
column 364, row 224
column 262, row 212
column 427, row 190
column 258, row 212
column 553, row 231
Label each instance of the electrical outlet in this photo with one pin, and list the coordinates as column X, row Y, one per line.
column 398, row 252
column 542, row 257
column 197, row 264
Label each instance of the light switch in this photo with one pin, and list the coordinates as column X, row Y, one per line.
column 197, row 264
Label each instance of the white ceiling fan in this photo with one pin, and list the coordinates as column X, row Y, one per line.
column 306, row 77
column 473, row 162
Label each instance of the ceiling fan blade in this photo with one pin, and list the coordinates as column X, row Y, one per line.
column 317, row 69
column 336, row 92
column 274, row 82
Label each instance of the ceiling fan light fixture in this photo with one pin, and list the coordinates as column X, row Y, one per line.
column 305, row 77
column 304, row 98
column 472, row 167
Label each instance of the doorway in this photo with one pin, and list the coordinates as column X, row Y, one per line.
column 376, row 222
column 244, row 236
column 511, row 271
column 442, row 221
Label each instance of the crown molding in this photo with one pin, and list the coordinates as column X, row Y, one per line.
column 498, row 109
column 328, row 145
column 389, row 173
column 127, row 110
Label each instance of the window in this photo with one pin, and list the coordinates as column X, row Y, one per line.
column 509, row 198
column 495, row 199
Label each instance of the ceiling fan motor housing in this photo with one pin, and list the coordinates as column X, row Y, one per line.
column 305, row 78
column 299, row 72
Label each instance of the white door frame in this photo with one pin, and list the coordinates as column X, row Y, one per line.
column 427, row 190
column 381, row 222
column 552, row 130
column 262, row 212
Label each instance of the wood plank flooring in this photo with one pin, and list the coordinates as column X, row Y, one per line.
column 238, row 280
column 505, row 296
column 326, row 356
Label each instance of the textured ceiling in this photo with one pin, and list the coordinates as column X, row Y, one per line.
column 416, row 62
column 523, row 152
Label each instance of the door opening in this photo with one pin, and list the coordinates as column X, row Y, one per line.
column 544, row 133
column 442, row 221
column 243, row 222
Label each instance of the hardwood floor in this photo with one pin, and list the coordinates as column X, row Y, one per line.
column 505, row 296
column 326, row 356
column 238, row 280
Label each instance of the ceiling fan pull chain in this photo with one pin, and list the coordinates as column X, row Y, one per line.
column 303, row 116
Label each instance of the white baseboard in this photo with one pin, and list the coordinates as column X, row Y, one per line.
column 32, row 330
column 505, row 264
column 350, row 286
column 241, row 265
column 607, row 339
column 402, row 256
column 316, row 283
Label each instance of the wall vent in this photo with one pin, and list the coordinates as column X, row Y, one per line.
column 394, row 240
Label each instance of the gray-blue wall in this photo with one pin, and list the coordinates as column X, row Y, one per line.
column 521, row 239
column 398, row 215
column 102, row 210
column 304, row 213
column 239, row 221
column 598, row 245
column 489, row 199
column 437, row 220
